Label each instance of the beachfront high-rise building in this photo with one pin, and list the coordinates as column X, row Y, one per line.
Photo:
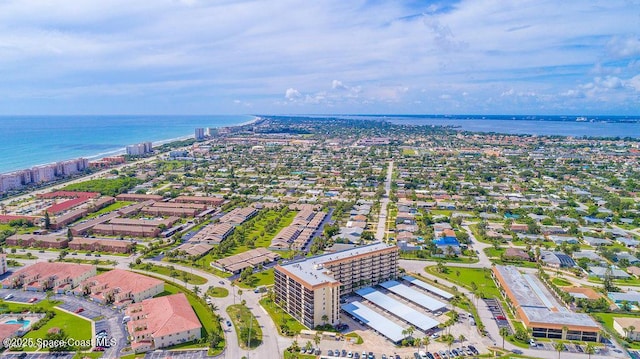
column 310, row 289
column 199, row 134
column 140, row 149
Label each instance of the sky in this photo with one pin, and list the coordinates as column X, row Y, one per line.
column 575, row 57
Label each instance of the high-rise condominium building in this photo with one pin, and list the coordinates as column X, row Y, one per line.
column 310, row 289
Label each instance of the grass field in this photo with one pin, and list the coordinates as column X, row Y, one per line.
column 279, row 317
column 243, row 321
column 465, row 276
column 218, row 292
column 264, row 278
column 560, row 282
column 110, row 208
column 492, row 252
column 177, row 273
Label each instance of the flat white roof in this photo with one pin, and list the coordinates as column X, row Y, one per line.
column 312, row 270
column 374, row 320
column 413, row 295
column 428, row 287
column 398, row 309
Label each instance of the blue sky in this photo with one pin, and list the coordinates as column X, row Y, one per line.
column 332, row 56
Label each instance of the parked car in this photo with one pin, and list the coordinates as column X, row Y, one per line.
column 32, row 300
column 79, row 310
column 330, row 353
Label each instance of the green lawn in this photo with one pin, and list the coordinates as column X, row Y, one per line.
column 110, row 208
column 95, row 355
column 492, row 252
column 465, row 276
column 280, row 317
column 358, row 339
column 607, row 320
column 176, row 273
column 561, row 282
column 253, row 228
column 218, row 292
column 264, row 278
column 288, row 355
column 244, row 322
column 74, row 326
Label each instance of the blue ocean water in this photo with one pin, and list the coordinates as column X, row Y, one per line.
column 26, row 141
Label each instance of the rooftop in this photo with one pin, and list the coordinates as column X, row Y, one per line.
column 312, row 270
column 164, row 315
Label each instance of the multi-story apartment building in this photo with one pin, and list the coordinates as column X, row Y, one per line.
column 310, row 289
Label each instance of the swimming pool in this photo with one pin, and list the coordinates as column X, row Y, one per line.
column 25, row 323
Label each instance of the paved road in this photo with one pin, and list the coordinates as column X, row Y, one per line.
column 384, row 203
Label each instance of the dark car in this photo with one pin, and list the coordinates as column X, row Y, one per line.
column 356, row 355
column 344, row 353
column 517, row 351
column 473, row 349
column 228, row 323
column 330, row 353
column 416, row 356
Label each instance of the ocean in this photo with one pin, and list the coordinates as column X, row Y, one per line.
column 26, row 141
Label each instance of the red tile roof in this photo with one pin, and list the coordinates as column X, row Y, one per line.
column 164, row 315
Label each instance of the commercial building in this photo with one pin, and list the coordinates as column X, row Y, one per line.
column 42, row 276
column 539, row 311
column 161, row 322
column 120, row 287
column 310, row 289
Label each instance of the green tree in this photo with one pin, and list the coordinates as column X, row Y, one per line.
column 47, row 220
column 559, row 347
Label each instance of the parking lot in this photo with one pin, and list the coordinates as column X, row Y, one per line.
column 109, row 319
column 498, row 314
column 20, row 296
column 39, row 356
column 185, row 354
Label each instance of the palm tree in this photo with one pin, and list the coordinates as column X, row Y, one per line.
column 559, row 347
column 426, row 341
column 631, row 329
column 196, row 290
column 503, row 333
column 408, row 332
column 325, row 319
column 589, row 349
column 316, row 339
column 449, row 339
column 461, row 338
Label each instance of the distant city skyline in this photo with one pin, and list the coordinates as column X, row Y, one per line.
column 299, row 57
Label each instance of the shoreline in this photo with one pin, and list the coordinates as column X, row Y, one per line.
column 122, row 150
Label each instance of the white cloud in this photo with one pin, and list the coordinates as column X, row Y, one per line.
column 338, row 85
column 378, row 56
column 292, row 94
